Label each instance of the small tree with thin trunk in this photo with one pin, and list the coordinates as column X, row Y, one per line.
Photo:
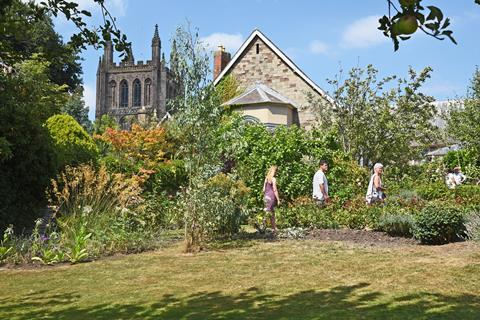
column 197, row 114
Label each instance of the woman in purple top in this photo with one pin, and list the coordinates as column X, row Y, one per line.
column 270, row 195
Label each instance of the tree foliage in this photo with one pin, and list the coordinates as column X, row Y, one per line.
column 195, row 124
column 28, row 158
column 228, row 88
column 464, row 121
column 103, row 123
column 369, row 118
column 297, row 153
column 25, row 33
column 408, row 16
column 17, row 29
column 76, row 108
column 145, row 147
column 73, row 145
column 197, row 111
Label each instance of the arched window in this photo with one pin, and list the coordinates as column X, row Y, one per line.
column 251, row 119
column 112, row 94
column 148, row 89
column 124, row 94
column 137, row 93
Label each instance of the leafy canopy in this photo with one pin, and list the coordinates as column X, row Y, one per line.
column 370, row 116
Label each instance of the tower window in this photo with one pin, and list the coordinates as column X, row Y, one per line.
column 148, row 86
column 124, row 94
column 112, row 94
column 258, row 48
column 137, row 93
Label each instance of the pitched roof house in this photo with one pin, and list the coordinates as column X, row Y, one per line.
column 276, row 89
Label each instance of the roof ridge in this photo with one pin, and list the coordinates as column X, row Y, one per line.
column 283, row 57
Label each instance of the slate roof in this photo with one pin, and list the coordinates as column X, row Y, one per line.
column 443, row 151
column 257, row 94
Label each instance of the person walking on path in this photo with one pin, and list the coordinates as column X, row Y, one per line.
column 320, row 185
column 376, row 191
column 270, row 195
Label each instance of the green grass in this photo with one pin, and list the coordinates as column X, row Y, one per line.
column 255, row 280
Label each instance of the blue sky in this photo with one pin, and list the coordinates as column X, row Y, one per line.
column 319, row 36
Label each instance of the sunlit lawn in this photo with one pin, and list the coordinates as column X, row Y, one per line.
column 258, row 280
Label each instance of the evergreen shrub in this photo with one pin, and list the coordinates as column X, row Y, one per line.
column 72, row 144
column 439, row 223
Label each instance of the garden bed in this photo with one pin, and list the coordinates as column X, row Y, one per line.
column 362, row 237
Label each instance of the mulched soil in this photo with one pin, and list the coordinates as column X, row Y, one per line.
column 362, row 237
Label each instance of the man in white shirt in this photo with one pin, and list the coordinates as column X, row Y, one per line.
column 320, row 184
column 450, row 180
column 458, row 176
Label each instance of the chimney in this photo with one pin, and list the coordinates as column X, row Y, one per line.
column 220, row 60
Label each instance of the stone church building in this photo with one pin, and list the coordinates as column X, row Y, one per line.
column 275, row 90
column 130, row 91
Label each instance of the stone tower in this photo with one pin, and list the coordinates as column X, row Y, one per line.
column 131, row 91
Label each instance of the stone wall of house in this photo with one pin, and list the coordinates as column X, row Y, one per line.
column 260, row 63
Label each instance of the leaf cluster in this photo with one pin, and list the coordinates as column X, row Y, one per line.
column 429, row 19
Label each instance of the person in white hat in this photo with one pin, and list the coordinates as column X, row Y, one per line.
column 376, row 191
column 458, row 176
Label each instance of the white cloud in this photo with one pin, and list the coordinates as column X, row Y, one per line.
column 119, row 7
column 318, row 47
column 90, row 99
column 363, row 33
column 231, row 42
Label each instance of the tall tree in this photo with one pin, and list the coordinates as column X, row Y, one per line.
column 24, row 34
column 36, row 71
column 28, row 162
column 15, row 27
column 197, row 117
column 464, row 121
column 377, row 124
column 76, row 108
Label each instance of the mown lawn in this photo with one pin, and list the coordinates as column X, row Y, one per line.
column 290, row 279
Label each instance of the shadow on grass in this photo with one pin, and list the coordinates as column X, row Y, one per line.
column 240, row 240
column 344, row 302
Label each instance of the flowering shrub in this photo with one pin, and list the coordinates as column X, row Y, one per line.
column 145, row 147
column 84, row 190
column 101, row 213
column 213, row 208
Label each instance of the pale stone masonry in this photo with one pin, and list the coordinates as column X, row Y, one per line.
column 130, row 91
column 260, row 61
